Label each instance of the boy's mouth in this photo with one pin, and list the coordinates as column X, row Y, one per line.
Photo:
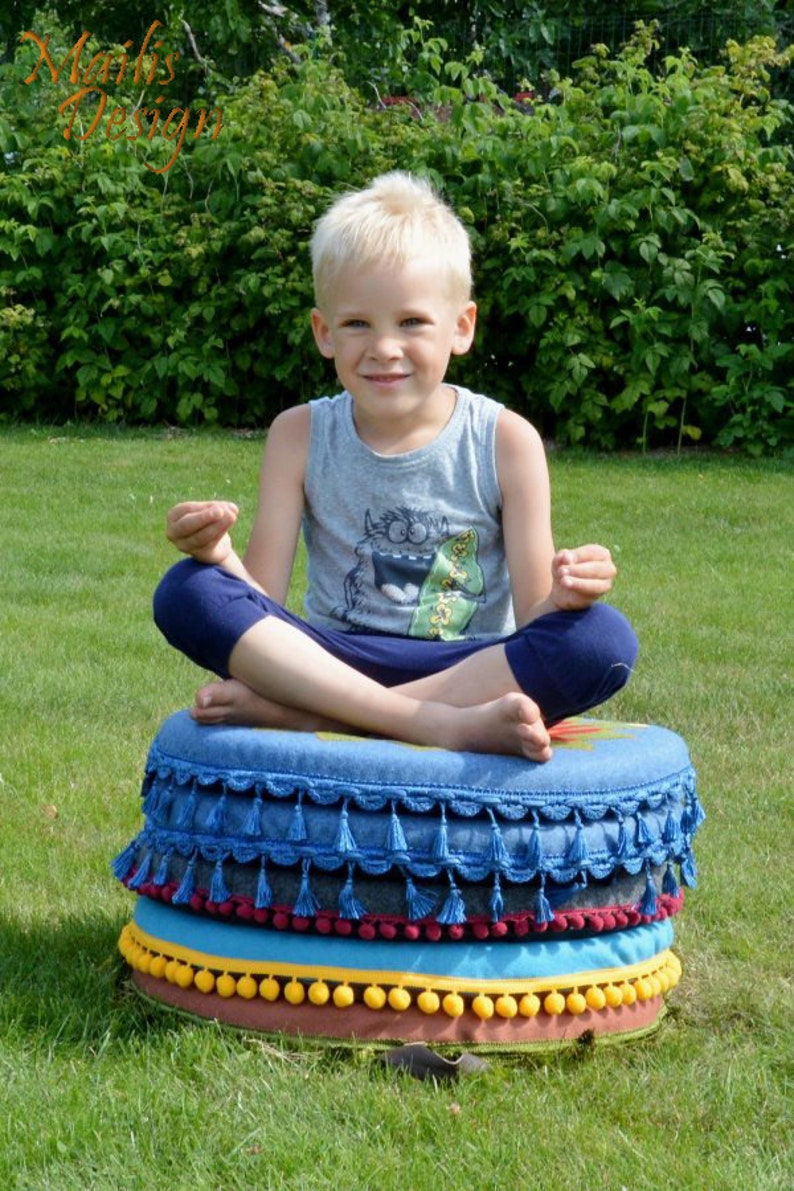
column 386, row 378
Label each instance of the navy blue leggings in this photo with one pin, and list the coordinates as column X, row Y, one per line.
column 567, row 662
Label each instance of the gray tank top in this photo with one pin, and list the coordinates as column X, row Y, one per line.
column 406, row 544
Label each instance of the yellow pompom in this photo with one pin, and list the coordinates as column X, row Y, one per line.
column 483, row 1007
column 554, row 1003
column 374, row 997
column 453, row 1005
column 614, row 996
column 673, row 974
column 294, row 992
column 204, row 981
column 143, row 960
column 595, row 997
column 506, row 1006
column 247, row 987
column 575, row 1003
column 664, row 979
column 399, row 999
column 428, row 1001
column 343, row 996
column 319, row 993
column 644, row 988
column 269, row 989
column 171, row 970
column 529, row 1005
column 226, row 985
column 157, row 966
column 628, row 993
column 656, row 985
column 184, row 976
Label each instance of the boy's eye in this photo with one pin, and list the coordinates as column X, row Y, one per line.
column 414, row 322
column 354, row 322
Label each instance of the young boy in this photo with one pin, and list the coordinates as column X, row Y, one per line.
column 426, row 514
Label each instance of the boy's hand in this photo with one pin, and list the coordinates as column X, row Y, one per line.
column 581, row 576
column 201, row 528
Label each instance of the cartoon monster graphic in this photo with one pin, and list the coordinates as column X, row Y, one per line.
column 409, row 557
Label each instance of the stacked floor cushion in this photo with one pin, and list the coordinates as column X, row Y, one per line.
column 365, row 889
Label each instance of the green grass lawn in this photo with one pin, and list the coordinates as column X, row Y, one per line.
column 98, row 1090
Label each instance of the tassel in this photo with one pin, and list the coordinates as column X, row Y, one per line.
column 151, row 801
column 297, row 827
column 440, row 843
column 396, row 843
column 645, row 836
column 187, row 813
column 264, row 894
column 498, row 852
column 543, row 911
column 671, row 835
column 125, row 860
column 420, row 903
column 216, row 819
column 534, row 857
column 669, row 884
column 698, row 815
column 345, row 844
column 306, row 905
column 577, row 854
column 648, row 903
column 162, row 871
column 497, row 901
column 623, row 850
column 689, row 870
column 453, row 910
column 218, row 889
column 187, row 885
column 349, row 905
column 253, row 822
column 142, row 875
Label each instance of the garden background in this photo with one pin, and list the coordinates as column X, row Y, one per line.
column 630, row 208
column 179, row 300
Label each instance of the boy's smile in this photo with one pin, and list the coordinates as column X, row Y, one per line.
column 390, row 330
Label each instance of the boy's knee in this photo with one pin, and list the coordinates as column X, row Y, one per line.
column 189, row 607
column 572, row 661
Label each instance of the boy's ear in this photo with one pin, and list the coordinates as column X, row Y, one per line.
column 464, row 330
column 322, row 334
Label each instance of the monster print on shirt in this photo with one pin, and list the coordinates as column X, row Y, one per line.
column 409, row 557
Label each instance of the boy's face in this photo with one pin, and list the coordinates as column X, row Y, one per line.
column 390, row 330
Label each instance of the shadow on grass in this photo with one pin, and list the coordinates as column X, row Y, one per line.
column 65, row 982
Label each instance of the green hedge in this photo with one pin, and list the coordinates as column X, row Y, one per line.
column 633, row 241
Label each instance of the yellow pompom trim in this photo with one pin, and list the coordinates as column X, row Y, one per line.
column 344, row 996
column 453, row 1005
column 429, row 1002
column 399, row 999
column 594, row 991
column 294, row 992
column 374, row 997
column 247, row 988
column 483, row 1007
column 319, row 993
column 270, row 989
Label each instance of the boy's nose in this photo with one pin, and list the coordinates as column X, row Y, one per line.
column 385, row 347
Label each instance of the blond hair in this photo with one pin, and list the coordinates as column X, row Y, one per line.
column 397, row 218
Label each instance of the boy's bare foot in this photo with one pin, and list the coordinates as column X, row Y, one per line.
column 512, row 725
column 509, row 725
column 232, row 702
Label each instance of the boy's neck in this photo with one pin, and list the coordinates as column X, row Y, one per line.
column 398, row 436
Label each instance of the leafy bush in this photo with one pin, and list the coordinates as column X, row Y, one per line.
column 632, row 238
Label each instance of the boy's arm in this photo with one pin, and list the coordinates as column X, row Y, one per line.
column 201, row 528
column 541, row 580
column 526, row 515
column 270, row 555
